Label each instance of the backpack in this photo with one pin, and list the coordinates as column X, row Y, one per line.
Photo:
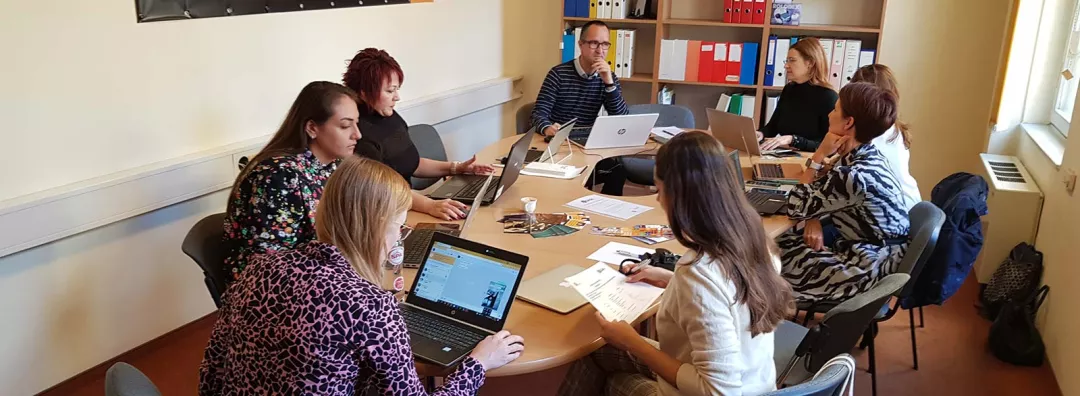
column 1015, row 280
column 1014, row 337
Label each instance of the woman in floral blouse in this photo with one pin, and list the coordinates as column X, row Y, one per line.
column 315, row 320
column 272, row 203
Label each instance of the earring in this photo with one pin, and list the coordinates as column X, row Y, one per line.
column 312, row 137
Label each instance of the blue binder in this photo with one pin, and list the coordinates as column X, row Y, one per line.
column 570, row 8
column 749, row 63
column 770, row 62
column 582, row 8
column 567, row 47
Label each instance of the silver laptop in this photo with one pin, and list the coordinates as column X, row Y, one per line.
column 546, row 291
column 617, row 131
column 416, row 244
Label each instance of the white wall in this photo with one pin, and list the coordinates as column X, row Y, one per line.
column 86, row 92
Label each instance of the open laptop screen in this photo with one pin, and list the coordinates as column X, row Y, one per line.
column 468, row 281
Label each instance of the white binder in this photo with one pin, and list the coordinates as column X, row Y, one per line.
column 620, row 53
column 667, row 51
column 748, row 103
column 866, row 57
column 678, row 60
column 577, row 40
column 780, row 75
column 603, row 9
column 836, row 72
column 827, row 45
column 851, row 60
column 628, row 53
column 770, row 107
column 620, row 9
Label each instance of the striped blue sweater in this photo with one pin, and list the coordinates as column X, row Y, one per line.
column 566, row 95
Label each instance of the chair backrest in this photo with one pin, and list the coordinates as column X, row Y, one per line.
column 844, row 324
column 826, row 383
column 524, row 117
column 204, row 245
column 670, row 115
column 430, row 145
column 926, row 220
column 123, row 379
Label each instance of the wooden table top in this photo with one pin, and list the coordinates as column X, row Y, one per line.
column 553, row 339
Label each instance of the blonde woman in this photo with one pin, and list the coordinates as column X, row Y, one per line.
column 317, row 320
column 801, row 118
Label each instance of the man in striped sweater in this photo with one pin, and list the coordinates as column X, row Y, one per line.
column 577, row 88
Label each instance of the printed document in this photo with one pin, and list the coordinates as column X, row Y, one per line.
column 607, row 290
column 611, row 207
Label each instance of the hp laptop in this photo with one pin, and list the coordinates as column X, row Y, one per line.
column 461, row 294
column 463, row 188
column 615, row 131
column 417, row 243
column 737, row 132
column 765, row 201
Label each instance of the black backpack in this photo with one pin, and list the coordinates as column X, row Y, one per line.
column 1014, row 337
column 1015, row 280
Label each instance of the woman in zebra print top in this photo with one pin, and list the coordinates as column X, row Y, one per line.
column 861, row 196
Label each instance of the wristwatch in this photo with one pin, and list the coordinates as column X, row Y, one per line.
column 813, row 165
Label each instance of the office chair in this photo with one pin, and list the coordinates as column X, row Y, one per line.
column 639, row 169
column 203, row 244
column 524, row 117
column 123, row 379
column 430, row 145
column 827, row 382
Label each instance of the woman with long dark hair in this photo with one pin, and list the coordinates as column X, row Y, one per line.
column 721, row 304
column 272, row 203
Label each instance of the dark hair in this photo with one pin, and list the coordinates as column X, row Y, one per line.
column 366, row 74
column 709, row 214
column 873, row 108
column 314, row 103
column 589, row 24
column 883, row 77
column 810, row 49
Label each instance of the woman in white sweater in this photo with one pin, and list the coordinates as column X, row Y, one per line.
column 721, row 304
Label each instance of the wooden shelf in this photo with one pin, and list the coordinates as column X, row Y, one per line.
column 613, row 21
column 772, row 88
column 827, row 28
column 706, row 22
column 708, row 84
column 638, row 77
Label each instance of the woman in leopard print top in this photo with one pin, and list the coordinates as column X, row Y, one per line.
column 315, row 320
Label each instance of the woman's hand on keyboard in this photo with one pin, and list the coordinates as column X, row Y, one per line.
column 497, row 350
column 446, row 209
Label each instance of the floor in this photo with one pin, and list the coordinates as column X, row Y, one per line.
column 952, row 355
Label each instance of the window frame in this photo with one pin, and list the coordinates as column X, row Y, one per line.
column 1060, row 118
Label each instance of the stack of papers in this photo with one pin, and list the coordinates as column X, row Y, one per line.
column 554, row 171
column 615, row 253
column 666, row 133
column 609, row 292
column 611, row 207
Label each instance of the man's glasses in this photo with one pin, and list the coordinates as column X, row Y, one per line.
column 593, row 44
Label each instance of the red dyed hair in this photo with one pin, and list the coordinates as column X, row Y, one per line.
column 366, row 74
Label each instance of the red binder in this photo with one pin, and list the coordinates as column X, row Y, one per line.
column 729, row 15
column 720, row 66
column 693, row 60
column 734, row 63
column 736, row 11
column 705, row 63
column 759, row 12
column 747, row 11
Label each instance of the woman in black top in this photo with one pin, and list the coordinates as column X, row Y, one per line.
column 801, row 118
column 376, row 77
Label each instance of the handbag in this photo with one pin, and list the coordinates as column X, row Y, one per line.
column 1013, row 335
column 1017, row 278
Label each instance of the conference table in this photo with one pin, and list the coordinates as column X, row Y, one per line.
column 553, row 339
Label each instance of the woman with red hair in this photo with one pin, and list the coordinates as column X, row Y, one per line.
column 376, row 78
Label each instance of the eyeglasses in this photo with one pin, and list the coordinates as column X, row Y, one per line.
column 593, row 44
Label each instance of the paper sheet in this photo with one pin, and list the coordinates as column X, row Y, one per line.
column 666, row 132
column 610, row 253
column 602, row 205
column 607, row 290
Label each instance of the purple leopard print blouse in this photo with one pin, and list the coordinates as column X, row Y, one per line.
column 302, row 322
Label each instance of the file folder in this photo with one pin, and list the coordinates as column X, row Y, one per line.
column 736, row 104
column 567, row 47
column 759, row 12
column 729, row 15
column 613, row 38
column 734, row 63
column 837, row 69
column 770, row 107
column 780, row 76
column 748, row 11
column 866, row 57
column 577, row 39
column 748, row 103
column 617, row 9
column 628, row 52
column 620, row 52
column 770, row 61
column 736, row 11
column 851, row 60
column 678, row 69
column 720, row 67
column 827, row 45
column 583, row 8
column 594, row 8
column 667, row 51
column 705, row 61
column 748, row 72
column 569, row 8
column 605, row 10
column 693, row 60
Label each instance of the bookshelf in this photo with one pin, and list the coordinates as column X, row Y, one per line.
column 703, row 20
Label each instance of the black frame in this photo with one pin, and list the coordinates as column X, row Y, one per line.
column 170, row 10
column 464, row 315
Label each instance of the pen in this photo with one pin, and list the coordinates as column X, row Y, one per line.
column 626, row 253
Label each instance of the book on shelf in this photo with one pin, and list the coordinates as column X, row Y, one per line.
column 604, row 9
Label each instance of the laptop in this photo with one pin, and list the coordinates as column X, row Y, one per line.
column 463, row 188
column 615, row 131
column 766, row 202
column 461, row 294
column 418, row 240
column 737, row 132
column 545, row 290
column 553, row 144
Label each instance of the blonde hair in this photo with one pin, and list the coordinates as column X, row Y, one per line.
column 355, row 211
column 812, row 51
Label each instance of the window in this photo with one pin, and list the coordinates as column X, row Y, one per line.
column 1065, row 101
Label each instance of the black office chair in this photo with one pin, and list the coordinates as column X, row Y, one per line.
column 639, row 169
column 123, row 379
column 203, row 244
column 430, row 145
column 524, row 117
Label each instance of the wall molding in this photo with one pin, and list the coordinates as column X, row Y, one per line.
column 39, row 218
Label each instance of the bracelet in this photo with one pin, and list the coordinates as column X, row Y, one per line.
column 454, row 167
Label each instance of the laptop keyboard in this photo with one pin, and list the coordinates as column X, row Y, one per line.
column 758, row 198
column 579, row 135
column 416, row 245
column 473, row 188
column 439, row 329
column 771, row 171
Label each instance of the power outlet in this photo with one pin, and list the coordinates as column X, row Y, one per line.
column 1070, row 181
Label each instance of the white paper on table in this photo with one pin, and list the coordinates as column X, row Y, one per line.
column 602, row 205
column 666, row 132
column 610, row 253
column 607, row 290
